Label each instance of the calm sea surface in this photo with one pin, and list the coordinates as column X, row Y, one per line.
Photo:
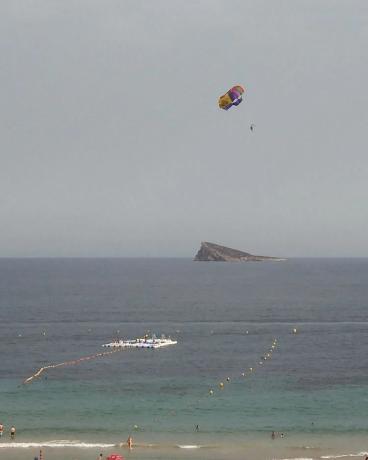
column 224, row 316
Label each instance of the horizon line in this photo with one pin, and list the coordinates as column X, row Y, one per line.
column 168, row 257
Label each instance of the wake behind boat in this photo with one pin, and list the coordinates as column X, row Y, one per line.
column 144, row 342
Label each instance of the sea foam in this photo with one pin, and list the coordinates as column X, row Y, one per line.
column 359, row 454
column 189, row 446
column 56, row 443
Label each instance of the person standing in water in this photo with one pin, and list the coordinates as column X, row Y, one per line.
column 1, row 429
column 12, row 432
column 130, row 442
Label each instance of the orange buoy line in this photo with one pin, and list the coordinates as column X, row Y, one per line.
column 69, row 363
column 239, row 376
column 265, row 356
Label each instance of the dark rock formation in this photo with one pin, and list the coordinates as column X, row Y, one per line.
column 210, row 252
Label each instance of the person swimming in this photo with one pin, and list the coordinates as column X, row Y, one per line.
column 12, row 432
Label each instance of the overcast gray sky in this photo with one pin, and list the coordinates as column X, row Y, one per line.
column 112, row 143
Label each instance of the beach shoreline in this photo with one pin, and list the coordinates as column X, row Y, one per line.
column 196, row 447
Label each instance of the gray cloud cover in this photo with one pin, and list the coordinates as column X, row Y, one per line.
column 112, row 143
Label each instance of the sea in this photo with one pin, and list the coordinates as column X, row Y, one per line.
column 262, row 347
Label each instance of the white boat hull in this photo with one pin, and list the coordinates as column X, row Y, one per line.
column 141, row 343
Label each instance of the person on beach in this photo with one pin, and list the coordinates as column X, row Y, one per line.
column 273, row 435
column 12, row 432
column 100, row 457
column 130, row 442
column 1, row 429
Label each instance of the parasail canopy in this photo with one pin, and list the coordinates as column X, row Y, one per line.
column 232, row 97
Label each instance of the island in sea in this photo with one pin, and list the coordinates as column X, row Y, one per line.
column 210, row 252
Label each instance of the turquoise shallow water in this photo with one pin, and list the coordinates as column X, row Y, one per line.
column 50, row 408
column 225, row 317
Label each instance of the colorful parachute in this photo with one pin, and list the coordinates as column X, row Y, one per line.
column 232, row 97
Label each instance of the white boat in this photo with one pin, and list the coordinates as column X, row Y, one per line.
column 144, row 342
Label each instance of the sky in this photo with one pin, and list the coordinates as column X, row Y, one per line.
column 112, row 142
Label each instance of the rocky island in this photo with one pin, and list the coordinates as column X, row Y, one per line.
column 210, row 252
